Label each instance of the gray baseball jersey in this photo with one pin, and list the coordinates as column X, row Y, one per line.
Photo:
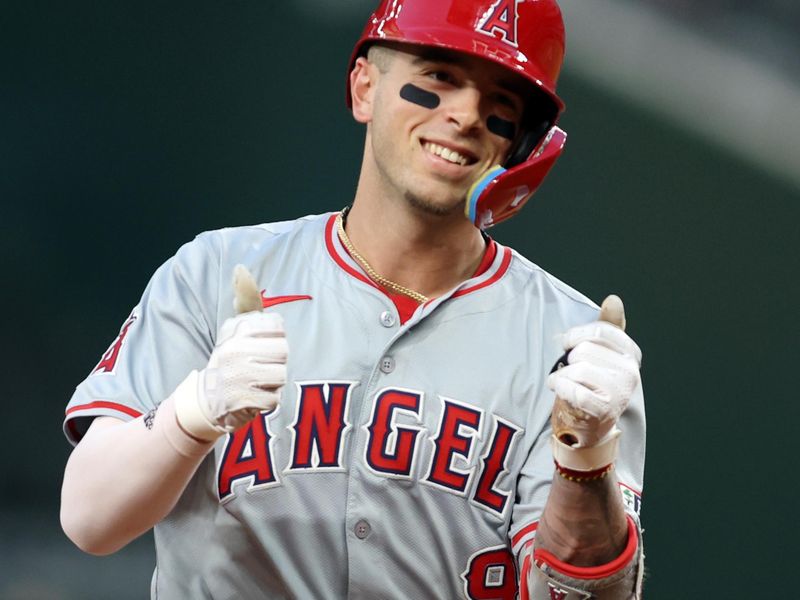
column 406, row 459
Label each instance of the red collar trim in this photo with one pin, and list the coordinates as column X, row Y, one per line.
column 490, row 259
column 505, row 261
column 336, row 253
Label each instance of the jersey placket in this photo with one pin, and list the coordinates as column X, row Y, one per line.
column 363, row 519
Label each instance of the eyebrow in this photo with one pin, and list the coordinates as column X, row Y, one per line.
column 438, row 55
column 512, row 85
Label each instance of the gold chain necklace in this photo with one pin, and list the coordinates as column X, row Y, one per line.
column 387, row 283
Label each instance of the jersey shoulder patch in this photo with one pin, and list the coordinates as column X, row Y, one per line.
column 108, row 362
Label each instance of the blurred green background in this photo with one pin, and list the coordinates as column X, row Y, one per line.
column 126, row 128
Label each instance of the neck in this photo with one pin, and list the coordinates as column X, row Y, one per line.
column 429, row 254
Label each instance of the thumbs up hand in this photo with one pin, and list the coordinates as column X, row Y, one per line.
column 593, row 389
column 247, row 298
column 245, row 372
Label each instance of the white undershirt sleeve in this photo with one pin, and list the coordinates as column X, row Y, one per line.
column 124, row 477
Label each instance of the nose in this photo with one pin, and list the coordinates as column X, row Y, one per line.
column 464, row 109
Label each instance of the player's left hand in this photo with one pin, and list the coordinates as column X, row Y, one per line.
column 595, row 386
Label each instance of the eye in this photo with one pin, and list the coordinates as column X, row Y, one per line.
column 441, row 76
column 510, row 106
column 506, row 100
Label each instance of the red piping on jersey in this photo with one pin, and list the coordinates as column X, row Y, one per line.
column 601, row 572
column 105, row 404
column 524, row 594
column 339, row 260
column 488, row 257
column 523, row 532
column 634, row 490
column 501, row 270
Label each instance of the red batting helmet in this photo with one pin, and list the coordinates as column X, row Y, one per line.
column 525, row 36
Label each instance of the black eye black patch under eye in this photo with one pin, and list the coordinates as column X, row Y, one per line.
column 419, row 96
column 501, row 127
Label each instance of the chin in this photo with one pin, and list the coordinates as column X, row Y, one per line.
column 440, row 207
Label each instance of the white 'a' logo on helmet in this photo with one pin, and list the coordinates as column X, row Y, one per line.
column 500, row 18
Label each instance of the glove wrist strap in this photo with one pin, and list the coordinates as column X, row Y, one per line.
column 188, row 413
column 587, row 459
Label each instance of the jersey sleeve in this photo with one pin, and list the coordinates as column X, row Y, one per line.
column 169, row 333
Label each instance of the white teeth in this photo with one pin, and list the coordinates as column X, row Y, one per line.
column 446, row 153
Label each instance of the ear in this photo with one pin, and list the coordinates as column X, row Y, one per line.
column 363, row 78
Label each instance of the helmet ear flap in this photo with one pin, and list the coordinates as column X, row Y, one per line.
column 541, row 113
column 527, row 143
column 500, row 193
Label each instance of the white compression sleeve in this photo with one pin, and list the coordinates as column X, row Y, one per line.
column 124, row 477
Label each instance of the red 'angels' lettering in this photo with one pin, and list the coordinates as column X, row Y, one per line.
column 247, row 455
column 319, row 425
column 491, row 575
column 109, row 359
column 494, row 462
column 390, row 449
column 451, row 441
column 501, row 18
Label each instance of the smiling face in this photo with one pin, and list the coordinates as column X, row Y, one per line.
column 437, row 120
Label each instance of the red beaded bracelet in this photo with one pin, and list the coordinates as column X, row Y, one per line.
column 582, row 476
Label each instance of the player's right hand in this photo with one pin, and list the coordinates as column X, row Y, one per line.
column 245, row 372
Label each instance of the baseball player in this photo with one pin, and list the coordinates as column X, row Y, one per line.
column 382, row 401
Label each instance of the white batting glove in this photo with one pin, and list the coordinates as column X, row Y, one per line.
column 593, row 389
column 245, row 372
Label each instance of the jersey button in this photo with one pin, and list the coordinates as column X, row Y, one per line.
column 362, row 529
column 388, row 319
column 387, row 364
